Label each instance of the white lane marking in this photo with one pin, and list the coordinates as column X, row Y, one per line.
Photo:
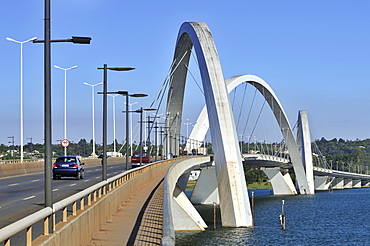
column 14, row 184
column 97, row 169
column 27, row 198
column 72, row 185
column 86, row 180
column 35, row 180
column 97, row 177
column 55, row 189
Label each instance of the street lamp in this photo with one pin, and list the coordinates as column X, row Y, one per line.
column 47, row 108
column 21, row 88
column 127, row 116
column 12, row 142
column 130, row 104
column 106, row 68
column 65, row 101
column 187, row 131
column 141, row 110
column 114, row 123
column 93, row 154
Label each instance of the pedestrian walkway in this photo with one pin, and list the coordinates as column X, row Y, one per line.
column 138, row 221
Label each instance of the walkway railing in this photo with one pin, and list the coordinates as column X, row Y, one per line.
column 77, row 201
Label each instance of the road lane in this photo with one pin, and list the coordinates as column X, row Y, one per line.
column 23, row 195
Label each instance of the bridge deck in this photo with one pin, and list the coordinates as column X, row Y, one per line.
column 138, row 221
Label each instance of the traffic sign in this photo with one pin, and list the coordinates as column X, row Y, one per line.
column 65, row 143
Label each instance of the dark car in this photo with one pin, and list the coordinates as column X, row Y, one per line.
column 68, row 166
column 135, row 158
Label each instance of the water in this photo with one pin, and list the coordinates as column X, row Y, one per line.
column 338, row 218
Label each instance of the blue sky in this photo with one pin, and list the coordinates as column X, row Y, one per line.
column 314, row 54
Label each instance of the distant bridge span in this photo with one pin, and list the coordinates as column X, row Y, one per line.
column 201, row 127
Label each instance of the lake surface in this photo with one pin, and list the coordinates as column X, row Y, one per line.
column 338, row 218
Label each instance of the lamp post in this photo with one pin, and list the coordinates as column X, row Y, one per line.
column 141, row 110
column 104, row 159
column 187, row 131
column 65, row 101
column 47, row 108
column 114, row 123
column 12, row 142
column 93, row 154
column 21, row 88
column 130, row 104
column 127, row 116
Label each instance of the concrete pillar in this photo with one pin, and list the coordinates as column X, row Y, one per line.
column 323, row 182
column 337, row 184
column 356, row 183
column 205, row 190
column 185, row 216
column 347, row 183
column 281, row 183
column 365, row 183
column 304, row 142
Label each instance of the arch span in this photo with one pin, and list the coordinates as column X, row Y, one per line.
column 201, row 127
column 234, row 201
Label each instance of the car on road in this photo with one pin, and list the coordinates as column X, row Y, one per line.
column 135, row 158
column 68, row 166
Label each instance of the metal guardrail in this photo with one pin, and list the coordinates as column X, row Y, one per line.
column 92, row 193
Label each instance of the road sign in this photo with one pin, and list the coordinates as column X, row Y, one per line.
column 65, row 143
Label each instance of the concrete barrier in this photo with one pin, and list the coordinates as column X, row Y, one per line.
column 15, row 169
column 80, row 229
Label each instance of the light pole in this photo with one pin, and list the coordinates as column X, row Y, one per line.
column 127, row 116
column 141, row 110
column 130, row 105
column 65, row 101
column 114, row 124
column 12, row 142
column 21, row 88
column 156, row 116
column 105, row 75
column 93, row 154
column 187, row 131
column 47, row 109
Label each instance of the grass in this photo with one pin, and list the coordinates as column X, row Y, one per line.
column 259, row 185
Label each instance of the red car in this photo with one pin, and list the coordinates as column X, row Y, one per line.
column 135, row 158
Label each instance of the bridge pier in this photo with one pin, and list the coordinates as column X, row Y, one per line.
column 323, row 182
column 365, row 183
column 304, row 143
column 347, row 183
column 356, row 183
column 281, row 182
column 337, row 184
column 185, row 216
column 205, row 190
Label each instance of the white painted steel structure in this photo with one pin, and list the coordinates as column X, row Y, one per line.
column 21, row 89
column 201, row 127
column 234, row 201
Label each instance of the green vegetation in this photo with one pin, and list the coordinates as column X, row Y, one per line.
column 347, row 155
column 259, row 185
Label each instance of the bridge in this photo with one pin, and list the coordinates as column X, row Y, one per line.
column 222, row 177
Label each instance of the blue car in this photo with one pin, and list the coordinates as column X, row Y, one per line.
column 68, row 166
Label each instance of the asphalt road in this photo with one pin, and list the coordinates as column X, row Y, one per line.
column 23, row 195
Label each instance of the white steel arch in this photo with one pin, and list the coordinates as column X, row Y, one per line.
column 305, row 184
column 234, row 201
